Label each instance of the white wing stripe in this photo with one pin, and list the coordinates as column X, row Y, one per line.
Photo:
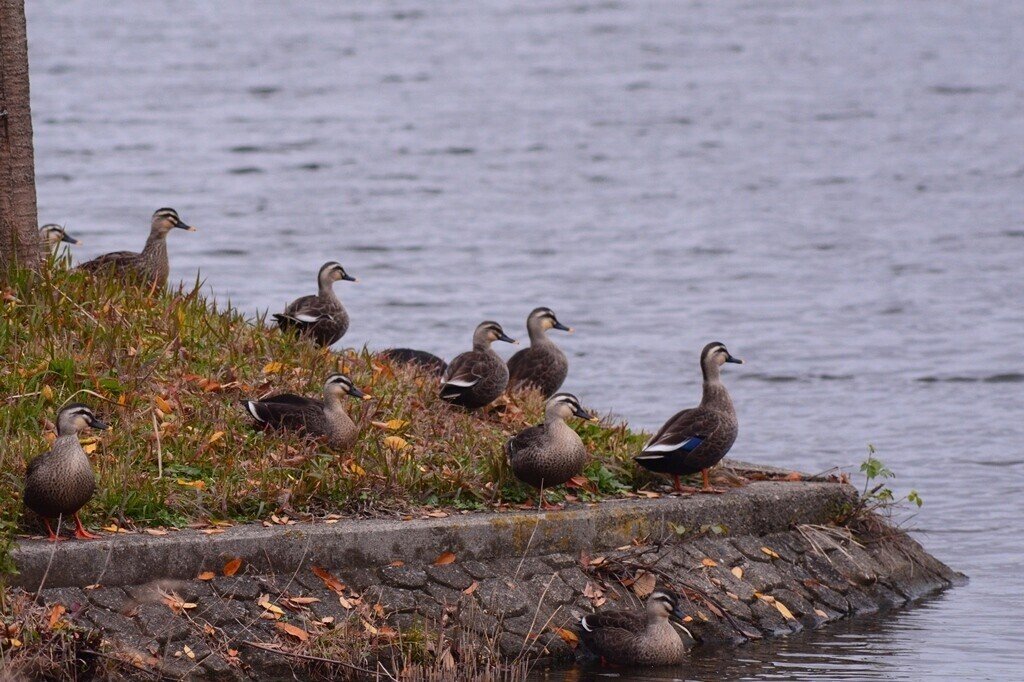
column 251, row 406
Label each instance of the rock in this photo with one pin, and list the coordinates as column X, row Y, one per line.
column 497, row 597
column 244, row 588
column 391, row 599
column 451, row 576
column 159, row 622
column 112, row 599
column 404, row 576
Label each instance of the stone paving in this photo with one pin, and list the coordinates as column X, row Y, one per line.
column 737, row 588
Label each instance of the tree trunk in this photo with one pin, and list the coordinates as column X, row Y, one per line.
column 19, row 228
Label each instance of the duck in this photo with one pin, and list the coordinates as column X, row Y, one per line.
column 418, row 359
column 151, row 266
column 698, row 438
column 319, row 317
column 327, row 417
column 53, row 234
column 543, row 365
column 637, row 638
column 59, row 482
column 477, row 377
column 550, row 453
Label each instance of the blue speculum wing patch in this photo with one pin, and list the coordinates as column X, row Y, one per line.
column 691, row 443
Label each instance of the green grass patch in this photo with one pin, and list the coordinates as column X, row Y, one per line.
column 167, row 371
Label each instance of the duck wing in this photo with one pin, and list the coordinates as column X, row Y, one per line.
column 464, row 372
column 114, row 259
column 302, row 313
column 428, row 362
column 679, row 436
column 608, row 623
column 284, row 411
column 524, row 440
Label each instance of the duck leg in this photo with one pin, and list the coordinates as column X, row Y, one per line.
column 679, row 487
column 707, row 484
column 81, row 533
column 52, row 537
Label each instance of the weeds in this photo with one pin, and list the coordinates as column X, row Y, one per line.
column 167, row 371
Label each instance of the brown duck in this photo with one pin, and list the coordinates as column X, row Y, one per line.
column 543, row 365
column 326, row 417
column 551, row 453
column 149, row 267
column 637, row 638
column 319, row 317
column 476, row 378
column 60, row 482
column 698, row 438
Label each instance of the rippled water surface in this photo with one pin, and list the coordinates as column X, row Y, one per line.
column 834, row 189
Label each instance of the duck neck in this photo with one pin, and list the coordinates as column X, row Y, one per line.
column 326, row 287
column 481, row 343
column 538, row 335
column 156, row 245
column 333, row 402
column 715, row 394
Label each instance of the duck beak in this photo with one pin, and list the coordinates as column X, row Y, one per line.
column 583, row 414
column 735, row 360
column 507, row 339
column 678, row 613
column 70, row 240
column 348, row 278
column 185, row 226
column 558, row 325
column 356, row 393
column 97, row 424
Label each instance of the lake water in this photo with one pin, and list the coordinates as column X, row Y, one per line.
column 836, row 190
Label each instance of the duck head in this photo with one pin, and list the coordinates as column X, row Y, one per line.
column 542, row 319
column 663, row 604
column 75, row 418
column 488, row 332
column 338, row 385
column 714, row 355
column 166, row 219
column 54, row 234
column 565, row 405
column 331, row 272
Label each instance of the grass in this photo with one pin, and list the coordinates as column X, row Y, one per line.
column 167, row 371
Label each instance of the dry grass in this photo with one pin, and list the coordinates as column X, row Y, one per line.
column 167, row 372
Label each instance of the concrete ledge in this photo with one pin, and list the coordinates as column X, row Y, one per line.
column 759, row 508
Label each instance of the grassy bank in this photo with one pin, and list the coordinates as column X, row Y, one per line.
column 167, row 371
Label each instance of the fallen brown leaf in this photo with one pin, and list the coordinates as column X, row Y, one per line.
column 444, row 559
column 472, row 588
column 296, row 632
column 206, row 575
column 644, row 584
column 332, row 583
column 568, row 636
column 231, row 567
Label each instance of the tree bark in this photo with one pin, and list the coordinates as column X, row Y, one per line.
column 19, row 228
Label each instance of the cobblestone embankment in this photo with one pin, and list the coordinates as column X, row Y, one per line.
column 515, row 578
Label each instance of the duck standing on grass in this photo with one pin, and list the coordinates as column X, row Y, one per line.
column 551, row 453
column 543, row 365
column 319, row 317
column 637, row 638
column 60, row 482
column 698, row 438
column 151, row 267
column 326, row 417
column 478, row 377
